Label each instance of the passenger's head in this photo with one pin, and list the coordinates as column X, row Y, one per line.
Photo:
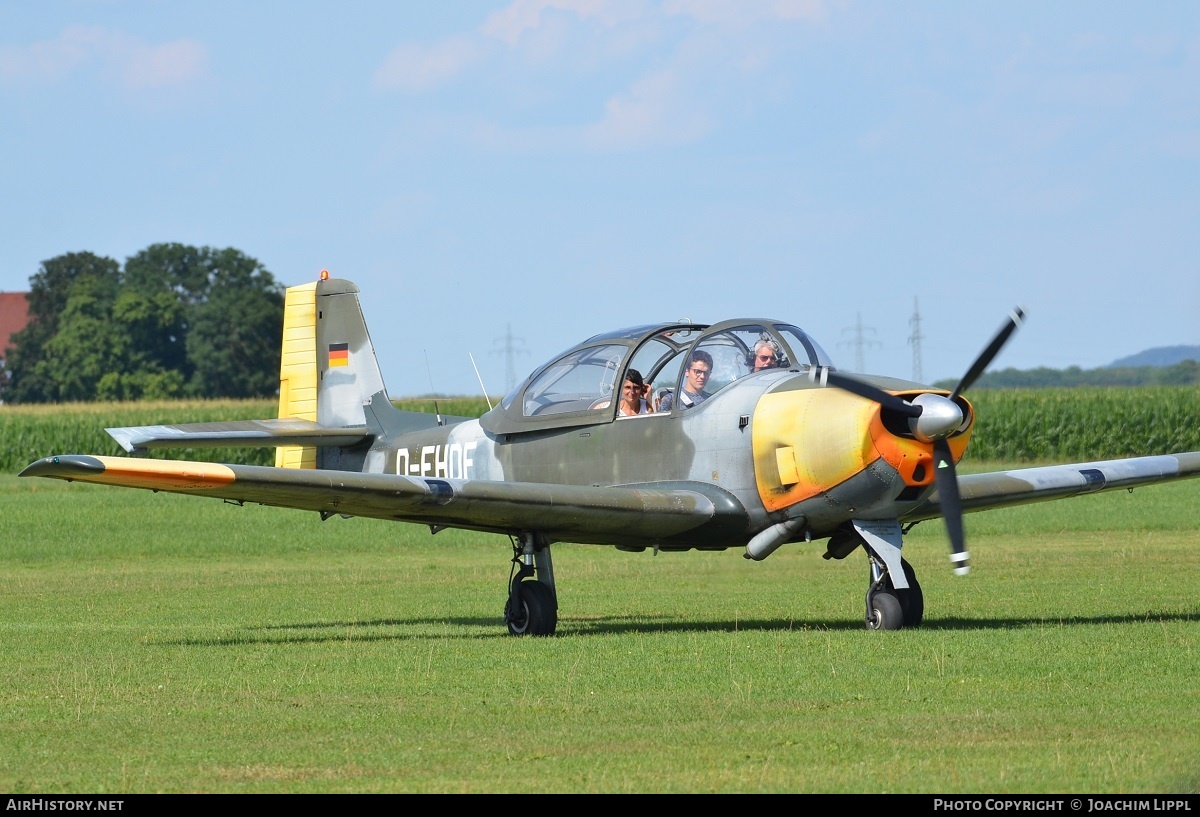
column 767, row 354
column 699, row 369
column 634, row 387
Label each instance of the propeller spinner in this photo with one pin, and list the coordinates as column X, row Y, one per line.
column 932, row 418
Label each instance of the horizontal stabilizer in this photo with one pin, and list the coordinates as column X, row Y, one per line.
column 237, row 434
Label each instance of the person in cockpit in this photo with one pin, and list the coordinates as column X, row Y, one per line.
column 699, row 369
column 633, row 396
column 766, row 355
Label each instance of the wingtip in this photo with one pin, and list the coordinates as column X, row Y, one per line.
column 125, row 438
column 63, row 466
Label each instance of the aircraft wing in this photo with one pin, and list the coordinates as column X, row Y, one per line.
column 693, row 514
column 999, row 489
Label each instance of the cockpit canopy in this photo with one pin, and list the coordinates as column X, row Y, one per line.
column 581, row 386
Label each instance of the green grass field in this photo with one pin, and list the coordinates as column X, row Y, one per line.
column 157, row 643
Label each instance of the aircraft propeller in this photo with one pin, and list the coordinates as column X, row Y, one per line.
column 932, row 418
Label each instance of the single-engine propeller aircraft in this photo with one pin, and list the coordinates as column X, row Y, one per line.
column 764, row 444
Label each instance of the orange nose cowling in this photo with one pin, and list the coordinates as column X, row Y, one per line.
column 809, row 440
column 911, row 458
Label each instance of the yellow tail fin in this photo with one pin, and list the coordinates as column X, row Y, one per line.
column 298, row 370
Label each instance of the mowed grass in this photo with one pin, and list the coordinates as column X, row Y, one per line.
column 156, row 643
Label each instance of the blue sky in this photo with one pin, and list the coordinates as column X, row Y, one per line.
column 551, row 169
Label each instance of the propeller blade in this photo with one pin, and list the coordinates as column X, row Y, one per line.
column 866, row 390
column 944, row 416
column 985, row 357
column 951, row 501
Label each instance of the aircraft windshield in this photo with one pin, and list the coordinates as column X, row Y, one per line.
column 804, row 346
column 575, row 382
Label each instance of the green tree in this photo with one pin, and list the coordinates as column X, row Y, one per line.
column 234, row 339
column 180, row 268
column 86, row 346
column 162, row 283
column 31, row 378
column 179, row 320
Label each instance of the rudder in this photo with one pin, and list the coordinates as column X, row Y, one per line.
column 328, row 370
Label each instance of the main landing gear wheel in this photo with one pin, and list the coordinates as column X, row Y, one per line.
column 536, row 613
column 912, row 600
column 884, row 612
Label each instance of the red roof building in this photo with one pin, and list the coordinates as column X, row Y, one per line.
column 14, row 314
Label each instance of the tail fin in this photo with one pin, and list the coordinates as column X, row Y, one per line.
column 333, row 406
column 328, row 371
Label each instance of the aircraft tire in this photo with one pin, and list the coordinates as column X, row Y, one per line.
column 912, row 600
column 885, row 612
column 537, row 615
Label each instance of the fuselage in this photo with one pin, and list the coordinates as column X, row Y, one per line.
column 744, row 424
column 779, row 443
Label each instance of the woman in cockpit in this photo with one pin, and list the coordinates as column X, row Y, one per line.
column 633, row 396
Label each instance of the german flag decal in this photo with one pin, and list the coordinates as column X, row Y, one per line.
column 339, row 354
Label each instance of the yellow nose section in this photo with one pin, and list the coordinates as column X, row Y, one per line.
column 810, row 440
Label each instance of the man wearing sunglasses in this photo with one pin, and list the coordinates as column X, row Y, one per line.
column 695, row 378
column 766, row 355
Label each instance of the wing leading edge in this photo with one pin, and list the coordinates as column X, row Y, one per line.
column 688, row 514
column 999, row 489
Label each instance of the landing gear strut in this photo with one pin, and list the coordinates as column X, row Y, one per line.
column 532, row 607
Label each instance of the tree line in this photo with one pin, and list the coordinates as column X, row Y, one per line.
column 1183, row 373
column 175, row 322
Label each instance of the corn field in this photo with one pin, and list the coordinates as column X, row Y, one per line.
column 1013, row 425
column 1087, row 423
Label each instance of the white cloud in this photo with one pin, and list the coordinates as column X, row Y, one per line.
column 746, row 12
column 656, row 73
column 161, row 66
column 413, row 67
column 654, row 112
column 511, row 22
column 120, row 57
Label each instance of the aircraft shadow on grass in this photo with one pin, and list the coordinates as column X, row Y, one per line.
column 625, row 624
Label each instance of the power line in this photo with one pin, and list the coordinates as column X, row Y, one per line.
column 914, row 340
column 860, row 341
column 510, row 351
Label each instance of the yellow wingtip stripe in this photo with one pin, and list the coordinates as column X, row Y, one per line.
column 161, row 474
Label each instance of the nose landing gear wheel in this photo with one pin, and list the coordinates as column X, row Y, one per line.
column 884, row 612
column 912, row 600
